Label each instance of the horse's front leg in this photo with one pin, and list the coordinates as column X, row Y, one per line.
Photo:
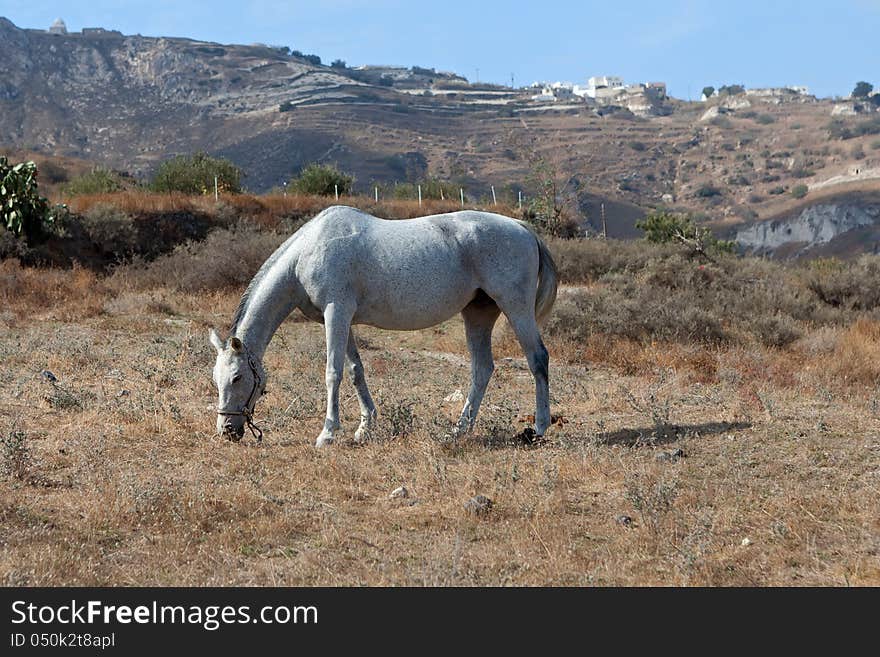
column 337, row 324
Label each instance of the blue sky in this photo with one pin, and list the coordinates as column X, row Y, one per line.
column 827, row 46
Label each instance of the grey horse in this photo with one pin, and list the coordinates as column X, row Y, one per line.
column 347, row 267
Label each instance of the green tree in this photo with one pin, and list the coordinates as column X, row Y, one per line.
column 664, row 227
column 799, row 191
column 338, row 63
column 862, row 89
column 321, row 180
column 22, row 210
column 708, row 91
column 194, row 174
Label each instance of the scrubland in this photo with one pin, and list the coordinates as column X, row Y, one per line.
column 717, row 422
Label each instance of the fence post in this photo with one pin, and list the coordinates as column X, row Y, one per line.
column 494, row 200
column 336, row 191
column 520, row 199
column 604, row 231
column 377, row 193
column 420, row 196
column 461, row 191
column 216, row 192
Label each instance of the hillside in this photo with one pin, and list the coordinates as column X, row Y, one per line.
column 130, row 101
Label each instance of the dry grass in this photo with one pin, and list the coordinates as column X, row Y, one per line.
column 267, row 210
column 111, row 475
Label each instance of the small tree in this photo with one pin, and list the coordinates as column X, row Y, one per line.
column 862, row 89
column 665, row 227
column 22, row 210
column 708, row 91
column 550, row 206
column 194, row 174
column 799, row 191
column 321, row 180
column 338, row 63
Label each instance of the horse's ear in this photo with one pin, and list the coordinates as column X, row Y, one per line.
column 215, row 340
column 235, row 344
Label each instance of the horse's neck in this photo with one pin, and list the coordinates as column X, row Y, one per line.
column 269, row 304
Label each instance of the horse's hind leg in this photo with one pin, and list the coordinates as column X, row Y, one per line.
column 526, row 329
column 479, row 318
column 337, row 325
column 365, row 401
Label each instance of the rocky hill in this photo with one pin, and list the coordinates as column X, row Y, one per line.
column 130, row 101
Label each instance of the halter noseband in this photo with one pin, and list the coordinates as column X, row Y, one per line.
column 247, row 412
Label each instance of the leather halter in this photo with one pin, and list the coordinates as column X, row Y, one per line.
column 247, row 412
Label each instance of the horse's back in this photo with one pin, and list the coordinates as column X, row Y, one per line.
column 413, row 273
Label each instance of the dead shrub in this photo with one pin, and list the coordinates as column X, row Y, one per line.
column 57, row 293
column 111, row 231
column 227, row 258
column 851, row 286
column 856, row 359
column 778, row 331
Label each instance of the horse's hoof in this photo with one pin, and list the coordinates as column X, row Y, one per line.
column 362, row 435
column 325, row 439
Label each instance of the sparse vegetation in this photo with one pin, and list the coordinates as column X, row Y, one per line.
column 843, row 130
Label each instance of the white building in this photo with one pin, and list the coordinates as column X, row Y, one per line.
column 58, row 27
column 546, row 95
column 604, row 86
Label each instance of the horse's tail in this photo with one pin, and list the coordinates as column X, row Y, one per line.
column 548, row 279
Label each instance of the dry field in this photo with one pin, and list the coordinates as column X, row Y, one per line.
column 111, row 475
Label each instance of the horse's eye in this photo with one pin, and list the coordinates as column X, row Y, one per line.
column 236, row 378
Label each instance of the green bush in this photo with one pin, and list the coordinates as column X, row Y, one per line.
column 97, row 181
column 321, row 180
column 799, row 191
column 194, row 174
column 665, row 227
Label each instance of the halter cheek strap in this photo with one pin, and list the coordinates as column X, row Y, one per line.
column 247, row 412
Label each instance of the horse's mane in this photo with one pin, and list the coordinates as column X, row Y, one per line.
column 255, row 281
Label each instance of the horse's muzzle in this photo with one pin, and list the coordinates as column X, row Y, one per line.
column 231, row 432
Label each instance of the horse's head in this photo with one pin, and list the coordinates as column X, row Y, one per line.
column 240, row 380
